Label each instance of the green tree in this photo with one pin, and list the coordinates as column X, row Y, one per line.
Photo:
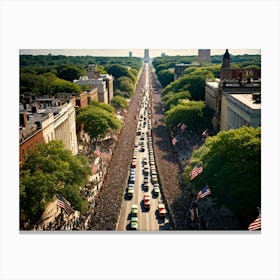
column 194, row 83
column 68, row 72
column 165, row 77
column 119, row 102
column 59, row 85
column 97, row 119
column 189, row 112
column 175, row 98
column 125, row 84
column 50, row 169
column 232, row 169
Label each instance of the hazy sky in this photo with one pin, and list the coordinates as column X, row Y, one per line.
column 135, row 52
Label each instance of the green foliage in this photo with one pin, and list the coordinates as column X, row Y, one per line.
column 125, row 84
column 193, row 82
column 165, row 77
column 60, row 85
column 173, row 100
column 189, row 112
column 97, row 118
column 68, row 72
column 118, row 71
column 50, row 169
column 232, row 169
column 102, row 105
column 118, row 92
column 119, row 102
column 80, row 61
column 46, row 83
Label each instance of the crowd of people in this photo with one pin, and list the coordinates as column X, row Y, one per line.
column 173, row 185
column 108, row 202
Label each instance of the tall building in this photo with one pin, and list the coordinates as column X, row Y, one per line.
column 204, row 56
column 130, row 54
column 146, row 56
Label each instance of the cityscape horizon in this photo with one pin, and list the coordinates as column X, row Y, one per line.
column 135, row 52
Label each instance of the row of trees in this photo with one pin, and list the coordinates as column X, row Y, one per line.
column 124, row 79
column 79, row 61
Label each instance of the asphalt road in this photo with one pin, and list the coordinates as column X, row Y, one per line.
column 148, row 219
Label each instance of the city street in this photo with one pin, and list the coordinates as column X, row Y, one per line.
column 148, row 219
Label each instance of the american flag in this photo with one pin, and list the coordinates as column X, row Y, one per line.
column 204, row 192
column 63, row 203
column 174, row 141
column 196, row 171
column 256, row 224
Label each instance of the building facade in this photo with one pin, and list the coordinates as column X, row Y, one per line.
column 45, row 123
column 240, row 110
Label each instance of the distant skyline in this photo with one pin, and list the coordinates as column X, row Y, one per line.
column 135, row 52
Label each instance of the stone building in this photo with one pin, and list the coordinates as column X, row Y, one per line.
column 221, row 95
column 44, row 123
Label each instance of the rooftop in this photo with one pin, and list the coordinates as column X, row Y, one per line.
column 246, row 99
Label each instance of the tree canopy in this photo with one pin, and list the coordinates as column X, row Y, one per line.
column 232, row 169
column 68, row 72
column 119, row 102
column 97, row 118
column 192, row 113
column 173, row 99
column 50, row 169
column 165, row 77
column 193, row 82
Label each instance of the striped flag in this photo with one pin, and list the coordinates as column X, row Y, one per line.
column 196, row 171
column 204, row 192
column 63, row 203
column 256, row 224
column 174, row 141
